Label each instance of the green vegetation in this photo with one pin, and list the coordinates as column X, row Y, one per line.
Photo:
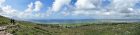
column 28, row 28
column 4, row 21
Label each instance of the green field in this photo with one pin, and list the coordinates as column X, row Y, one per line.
column 28, row 28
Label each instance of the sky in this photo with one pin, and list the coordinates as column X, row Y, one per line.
column 70, row 9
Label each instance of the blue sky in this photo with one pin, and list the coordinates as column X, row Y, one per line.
column 70, row 9
column 22, row 4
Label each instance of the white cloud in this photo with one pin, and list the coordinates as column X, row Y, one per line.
column 93, row 8
column 130, row 9
column 38, row 6
column 116, row 8
column 2, row 1
column 124, row 7
column 85, row 4
column 86, row 7
column 30, row 7
column 8, row 9
column 57, row 5
column 29, row 12
column 122, row 4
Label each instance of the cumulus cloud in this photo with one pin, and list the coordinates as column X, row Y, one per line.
column 123, row 3
column 124, row 6
column 2, row 1
column 38, row 6
column 117, row 8
column 57, row 5
column 32, row 10
column 8, row 11
column 92, row 8
column 30, row 7
column 86, row 4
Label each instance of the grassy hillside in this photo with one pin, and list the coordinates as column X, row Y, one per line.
column 4, row 20
column 28, row 28
column 87, row 29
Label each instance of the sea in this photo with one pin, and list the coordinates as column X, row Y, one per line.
column 76, row 21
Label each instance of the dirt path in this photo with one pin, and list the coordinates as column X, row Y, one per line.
column 2, row 30
column 4, row 33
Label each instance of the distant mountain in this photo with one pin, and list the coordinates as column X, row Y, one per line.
column 50, row 21
column 57, row 21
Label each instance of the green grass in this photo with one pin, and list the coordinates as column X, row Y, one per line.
column 85, row 29
column 28, row 28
